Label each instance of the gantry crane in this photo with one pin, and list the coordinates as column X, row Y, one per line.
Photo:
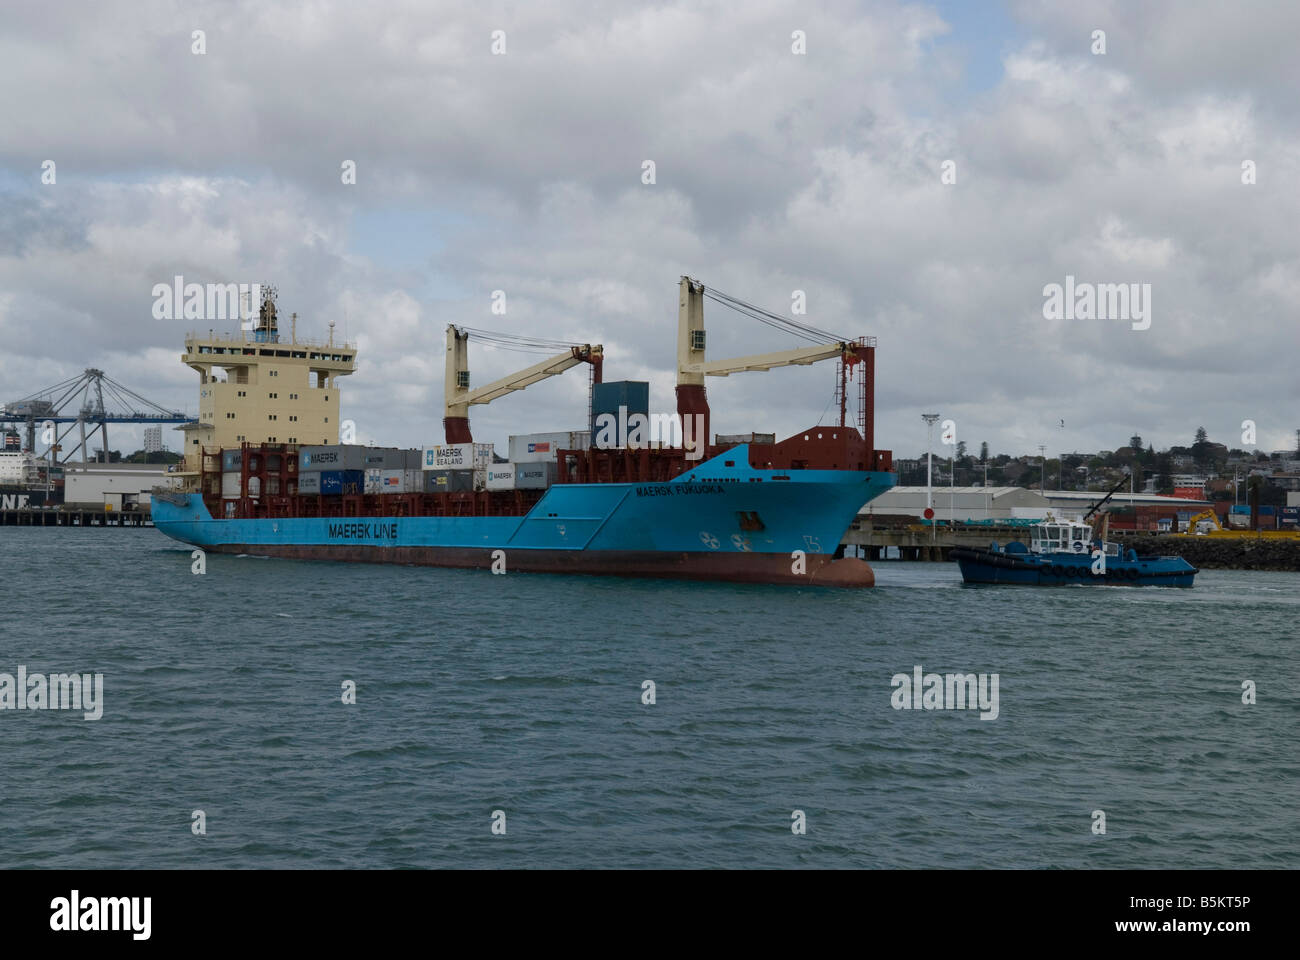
column 692, row 368
column 456, row 390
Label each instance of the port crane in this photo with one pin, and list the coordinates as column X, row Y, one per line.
column 79, row 401
column 692, row 367
column 457, row 395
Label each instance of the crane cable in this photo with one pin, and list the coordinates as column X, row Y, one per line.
column 803, row 330
column 519, row 343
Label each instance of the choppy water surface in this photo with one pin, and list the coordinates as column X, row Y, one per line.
column 523, row 693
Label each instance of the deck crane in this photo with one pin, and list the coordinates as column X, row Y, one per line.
column 456, row 391
column 692, row 368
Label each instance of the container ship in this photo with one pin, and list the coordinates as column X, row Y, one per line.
column 26, row 480
column 626, row 497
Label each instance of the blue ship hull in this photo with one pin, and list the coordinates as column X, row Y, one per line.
column 713, row 522
column 1059, row 569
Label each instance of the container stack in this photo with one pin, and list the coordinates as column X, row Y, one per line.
column 456, row 467
column 342, row 468
column 537, row 475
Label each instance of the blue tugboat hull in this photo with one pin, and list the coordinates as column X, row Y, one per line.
column 1063, row 569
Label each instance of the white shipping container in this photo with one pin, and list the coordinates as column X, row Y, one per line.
column 230, row 485
column 501, row 476
column 309, row 483
column 457, row 456
column 532, row 447
column 413, row 481
column 393, row 481
column 254, row 486
column 374, row 481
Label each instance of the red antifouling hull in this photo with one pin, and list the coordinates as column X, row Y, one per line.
column 820, row 569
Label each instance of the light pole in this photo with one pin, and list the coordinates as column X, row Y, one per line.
column 1060, row 480
column 1042, row 465
column 930, row 420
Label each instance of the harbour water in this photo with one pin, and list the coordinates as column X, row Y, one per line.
column 524, row 694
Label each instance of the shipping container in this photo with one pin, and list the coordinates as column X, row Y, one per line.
column 254, row 487
column 532, row 447
column 735, row 439
column 534, row 476
column 412, row 460
column 608, row 397
column 230, row 485
column 341, row 481
column 373, row 481
column 383, row 458
column 457, row 456
column 337, row 456
column 449, row 481
column 309, row 483
column 393, row 481
column 232, row 460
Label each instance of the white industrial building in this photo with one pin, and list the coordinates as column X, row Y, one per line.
column 116, row 485
column 1003, row 503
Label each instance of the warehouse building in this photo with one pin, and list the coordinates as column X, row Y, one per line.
column 116, row 486
column 961, row 504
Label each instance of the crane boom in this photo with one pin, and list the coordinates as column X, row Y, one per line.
column 458, row 396
column 766, row 361
column 538, row 371
column 692, row 368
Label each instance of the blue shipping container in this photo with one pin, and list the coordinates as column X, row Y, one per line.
column 608, row 397
column 341, row 481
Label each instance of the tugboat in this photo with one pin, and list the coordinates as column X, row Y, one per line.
column 1065, row 552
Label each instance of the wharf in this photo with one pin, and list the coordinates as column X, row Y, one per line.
column 74, row 517
column 914, row 541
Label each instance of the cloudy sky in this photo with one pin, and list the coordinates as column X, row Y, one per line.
column 775, row 171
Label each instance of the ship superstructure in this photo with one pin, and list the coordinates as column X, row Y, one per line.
column 255, row 387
